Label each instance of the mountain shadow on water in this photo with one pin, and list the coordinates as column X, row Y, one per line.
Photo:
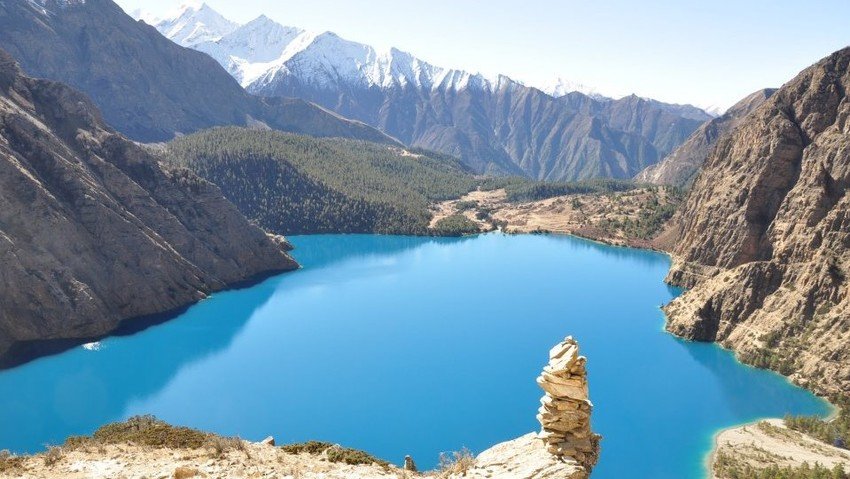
column 91, row 385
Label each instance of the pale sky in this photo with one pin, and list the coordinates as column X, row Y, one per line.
column 708, row 53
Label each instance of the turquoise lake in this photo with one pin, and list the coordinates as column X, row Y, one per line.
column 400, row 345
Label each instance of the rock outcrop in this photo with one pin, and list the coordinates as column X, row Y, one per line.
column 680, row 167
column 523, row 458
column 565, row 408
column 94, row 231
column 764, row 236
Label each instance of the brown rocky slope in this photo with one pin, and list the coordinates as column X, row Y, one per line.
column 763, row 237
column 94, row 231
column 680, row 167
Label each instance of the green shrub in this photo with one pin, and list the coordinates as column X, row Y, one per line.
column 146, row 431
column 309, row 447
column 835, row 432
column 461, row 206
column 728, row 467
column 455, row 225
column 334, row 453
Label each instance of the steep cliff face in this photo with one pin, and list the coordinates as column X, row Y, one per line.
column 680, row 167
column 147, row 87
column 94, row 231
column 764, row 235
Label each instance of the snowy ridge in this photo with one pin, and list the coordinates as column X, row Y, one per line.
column 193, row 23
column 559, row 86
column 262, row 50
column 145, row 16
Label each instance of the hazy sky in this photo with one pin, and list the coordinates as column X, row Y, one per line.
column 710, row 52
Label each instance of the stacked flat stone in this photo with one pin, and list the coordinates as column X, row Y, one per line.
column 565, row 408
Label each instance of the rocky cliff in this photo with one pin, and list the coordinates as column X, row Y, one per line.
column 763, row 237
column 147, row 87
column 94, row 231
column 680, row 167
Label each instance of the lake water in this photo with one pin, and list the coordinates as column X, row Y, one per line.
column 401, row 345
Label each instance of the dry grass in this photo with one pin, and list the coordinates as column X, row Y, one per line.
column 9, row 462
column 53, row 455
column 220, row 445
column 458, row 462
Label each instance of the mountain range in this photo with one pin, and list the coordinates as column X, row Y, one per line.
column 147, row 87
column 495, row 125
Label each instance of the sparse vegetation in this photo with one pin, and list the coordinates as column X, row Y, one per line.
column 146, row 431
column 520, row 189
column 776, row 359
column 309, row 447
column 652, row 216
column 9, row 462
column 458, row 462
column 728, row 467
column 52, row 456
column 334, row 453
column 220, row 445
column 352, row 456
column 835, row 432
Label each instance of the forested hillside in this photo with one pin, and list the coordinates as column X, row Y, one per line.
column 293, row 184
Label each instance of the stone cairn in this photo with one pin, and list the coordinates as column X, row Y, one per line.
column 565, row 410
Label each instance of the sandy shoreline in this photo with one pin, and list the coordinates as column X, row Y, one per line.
column 767, row 442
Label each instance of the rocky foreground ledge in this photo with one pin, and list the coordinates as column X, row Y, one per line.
column 144, row 447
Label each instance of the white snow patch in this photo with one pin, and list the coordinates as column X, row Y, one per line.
column 193, row 23
column 559, row 86
column 262, row 51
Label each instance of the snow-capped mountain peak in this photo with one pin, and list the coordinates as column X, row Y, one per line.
column 714, row 109
column 559, row 86
column 193, row 23
column 145, row 16
column 263, row 50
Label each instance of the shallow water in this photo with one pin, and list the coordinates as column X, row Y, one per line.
column 401, row 345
